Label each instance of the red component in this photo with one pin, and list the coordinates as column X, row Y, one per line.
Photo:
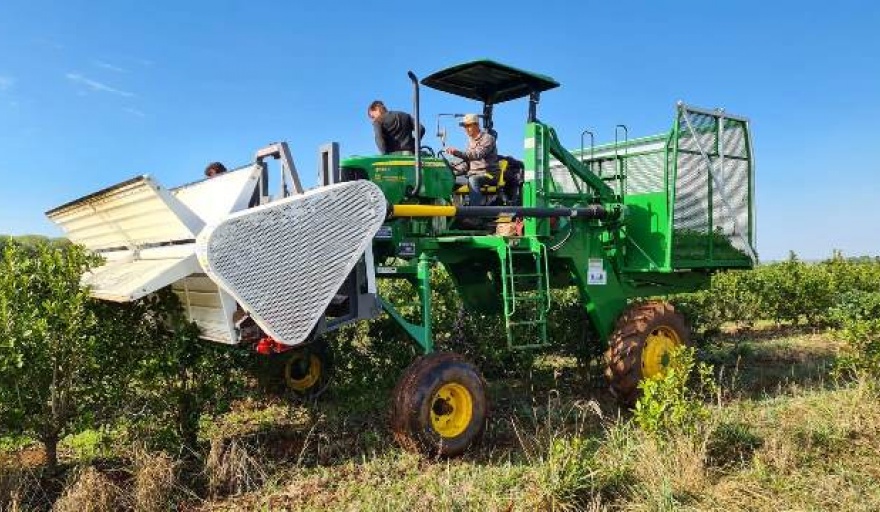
column 267, row 345
column 264, row 346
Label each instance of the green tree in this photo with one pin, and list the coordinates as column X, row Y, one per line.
column 52, row 369
column 177, row 376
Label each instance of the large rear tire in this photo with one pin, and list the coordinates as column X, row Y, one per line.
column 439, row 406
column 640, row 347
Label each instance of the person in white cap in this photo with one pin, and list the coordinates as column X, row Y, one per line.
column 481, row 157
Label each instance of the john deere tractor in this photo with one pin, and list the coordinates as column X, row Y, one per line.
column 629, row 220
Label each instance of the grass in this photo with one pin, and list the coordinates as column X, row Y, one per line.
column 783, row 436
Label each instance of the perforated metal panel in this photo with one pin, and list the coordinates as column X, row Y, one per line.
column 284, row 261
column 566, row 181
column 713, row 178
column 643, row 161
column 692, row 194
column 644, row 173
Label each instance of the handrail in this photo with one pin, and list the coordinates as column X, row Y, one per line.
column 574, row 165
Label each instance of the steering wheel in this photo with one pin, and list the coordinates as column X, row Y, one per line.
column 427, row 150
column 449, row 165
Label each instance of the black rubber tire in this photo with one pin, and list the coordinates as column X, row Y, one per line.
column 627, row 343
column 415, row 396
column 287, row 370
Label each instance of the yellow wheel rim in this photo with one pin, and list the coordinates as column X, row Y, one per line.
column 299, row 378
column 452, row 408
column 658, row 345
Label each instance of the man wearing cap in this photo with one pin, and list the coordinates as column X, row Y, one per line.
column 395, row 131
column 481, row 157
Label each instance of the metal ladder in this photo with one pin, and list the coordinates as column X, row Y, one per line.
column 526, row 295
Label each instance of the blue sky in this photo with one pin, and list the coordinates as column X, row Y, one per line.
column 92, row 93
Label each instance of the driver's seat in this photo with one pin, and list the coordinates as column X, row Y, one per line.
column 505, row 182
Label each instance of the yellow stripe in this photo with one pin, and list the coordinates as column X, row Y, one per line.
column 423, row 210
column 403, row 163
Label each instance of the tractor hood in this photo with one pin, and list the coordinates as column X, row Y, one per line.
column 488, row 81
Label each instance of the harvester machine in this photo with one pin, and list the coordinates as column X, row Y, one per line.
column 622, row 222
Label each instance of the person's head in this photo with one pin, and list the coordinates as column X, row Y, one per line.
column 471, row 124
column 376, row 109
column 214, row 168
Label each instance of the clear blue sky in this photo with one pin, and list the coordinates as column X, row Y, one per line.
column 95, row 92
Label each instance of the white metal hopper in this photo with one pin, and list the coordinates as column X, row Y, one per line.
column 225, row 250
column 147, row 235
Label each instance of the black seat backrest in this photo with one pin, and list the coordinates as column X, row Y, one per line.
column 513, row 179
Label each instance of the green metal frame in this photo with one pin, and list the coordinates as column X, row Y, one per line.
column 630, row 254
column 422, row 333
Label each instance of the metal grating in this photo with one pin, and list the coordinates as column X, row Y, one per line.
column 284, row 261
column 691, row 195
column 644, row 173
column 643, row 161
column 735, row 138
column 608, row 169
column 703, row 134
column 712, row 187
column 566, row 181
column 730, row 204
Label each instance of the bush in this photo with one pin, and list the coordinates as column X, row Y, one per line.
column 669, row 404
column 177, row 376
column 54, row 371
column 791, row 292
column 857, row 315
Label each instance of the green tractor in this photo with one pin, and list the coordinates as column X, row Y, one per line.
column 621, row 222
column 634, row 219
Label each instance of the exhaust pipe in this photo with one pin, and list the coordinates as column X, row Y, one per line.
column 418, row 134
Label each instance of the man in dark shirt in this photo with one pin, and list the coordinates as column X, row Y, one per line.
column 214, row 169
column 394, row 130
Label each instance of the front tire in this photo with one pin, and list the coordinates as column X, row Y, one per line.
column 439, row 406
column 640, row 347
column 305, row 371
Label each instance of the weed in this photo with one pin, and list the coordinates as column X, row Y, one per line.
column 668, row 404
column 732, row 444
column 155, row 482
column 234, row 467
column 91, row 491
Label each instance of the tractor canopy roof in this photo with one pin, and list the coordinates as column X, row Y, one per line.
column 488, row 81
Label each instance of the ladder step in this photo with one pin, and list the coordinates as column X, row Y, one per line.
column 528, row 322
column 526, row 310
column 539, row 300
column 526, row 346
